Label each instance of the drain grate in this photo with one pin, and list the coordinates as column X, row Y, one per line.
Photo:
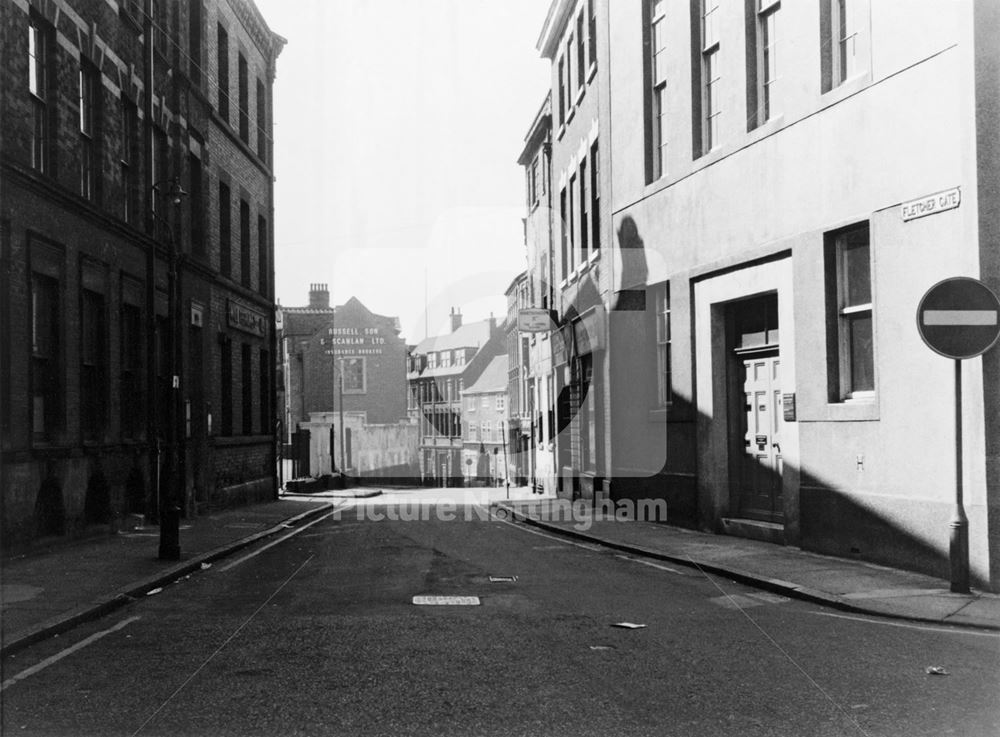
column 446, row 600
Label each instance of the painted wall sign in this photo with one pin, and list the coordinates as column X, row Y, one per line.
column 245, row 319
column 532, row 320
column 353, row 342
column 932, row 204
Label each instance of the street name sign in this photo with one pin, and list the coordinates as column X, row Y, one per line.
column 959, row 318
column 932, row 204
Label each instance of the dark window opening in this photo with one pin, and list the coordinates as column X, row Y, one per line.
column 226, row 387
column 225, row 231
column 246, row 389
column 222, row 59
column 132, row 393
column 93, row 337
column 244, row 99
column 46, row 394
column 245, row 243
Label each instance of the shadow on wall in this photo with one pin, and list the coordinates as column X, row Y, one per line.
column 830, row 518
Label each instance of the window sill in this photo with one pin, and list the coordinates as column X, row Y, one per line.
column 658, row 416
column 846, row 88
column 767, row 127
column 592, row 73
column 850, row 410
column 562, row 131
column 569, row 115
column 581, row 90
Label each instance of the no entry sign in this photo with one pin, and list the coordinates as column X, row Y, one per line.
column 959, row 318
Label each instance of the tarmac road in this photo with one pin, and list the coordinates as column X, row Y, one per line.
column 316, row 634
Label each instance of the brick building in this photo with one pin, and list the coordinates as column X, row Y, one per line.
column 321, row 343
column 440, row 368
column 136, row 234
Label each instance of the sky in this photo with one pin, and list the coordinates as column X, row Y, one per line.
column 397, row 127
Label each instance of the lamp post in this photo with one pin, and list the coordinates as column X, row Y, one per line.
column 168, row 504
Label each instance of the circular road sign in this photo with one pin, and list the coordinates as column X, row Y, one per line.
column 959, row 318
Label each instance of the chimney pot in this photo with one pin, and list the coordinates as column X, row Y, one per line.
column 319, row 296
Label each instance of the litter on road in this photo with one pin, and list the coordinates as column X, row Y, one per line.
column 936, row 670
column 153, row 592
column 628, row 625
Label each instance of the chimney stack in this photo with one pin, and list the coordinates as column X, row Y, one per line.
column 319, row 296
column 456, row 319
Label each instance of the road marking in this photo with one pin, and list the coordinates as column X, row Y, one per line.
column 960, row 317
column 905, row 625
column 653, row 565
column 786, row 654
column 740, row 601
column 218, row 650
column 516, row 526
column 293, row 533
column 27, row 673
column 446, row 600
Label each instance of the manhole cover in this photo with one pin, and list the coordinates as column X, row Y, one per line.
column 446, row 600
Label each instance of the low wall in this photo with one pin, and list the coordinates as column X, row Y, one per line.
column 378, row 451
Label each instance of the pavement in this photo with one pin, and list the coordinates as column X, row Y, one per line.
column 845, row 584
column 49, row 592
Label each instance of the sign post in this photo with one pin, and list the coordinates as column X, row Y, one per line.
column 959, row 318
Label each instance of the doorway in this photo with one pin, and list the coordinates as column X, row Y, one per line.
column 755, row 401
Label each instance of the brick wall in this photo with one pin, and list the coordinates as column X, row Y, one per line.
column 47, row 226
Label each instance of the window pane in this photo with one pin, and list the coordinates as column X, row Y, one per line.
column 710, row 22
column 862, row 363
column 857, row 269
column 659, row 50
column 34, row 61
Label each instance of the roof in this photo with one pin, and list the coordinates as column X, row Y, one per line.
column 520, row 278
column 541, row 126
column 473, row 335
column 296, row 321
column 554, row 26
column 493, row 379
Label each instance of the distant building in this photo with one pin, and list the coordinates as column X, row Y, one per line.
column 320, row 346
column 486, row 456
column 136, row 229
column 440, row 369
column 520, row 385
column 535, row 366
